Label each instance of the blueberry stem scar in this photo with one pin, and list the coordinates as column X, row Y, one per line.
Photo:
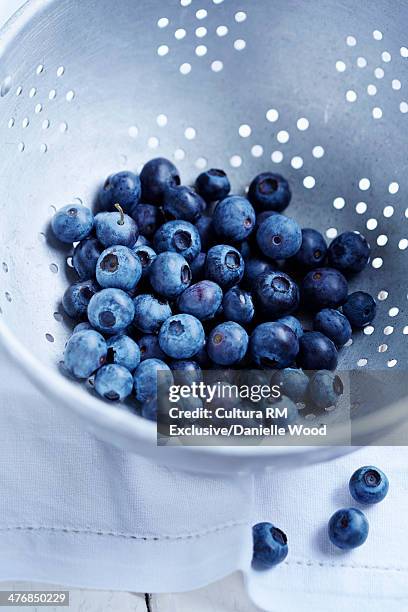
column 122, row 214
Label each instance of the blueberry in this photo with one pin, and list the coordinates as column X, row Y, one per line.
column 224, row 265
column 145, row 378
column 146, row 256
column 180, row 237
column 150, row 348
column 262, row 216
column 81, row 327
column 183, row 203
column 170, row 274
column 201, row 300
column 149, row 409
column 85, row 256
column 206, row 231
column 72, row 223
column 156, row 176
column 253, row 268
column 213, row 185
column 368, row 485
column 227, row 343
column 85, row 352
column 313, row 249
column 246, row 250
column 325, row 389
column 77, row 297
column 198, row 266
column 181, row 336
column 294, row 324
column 186, row 372
column 123, row 351
column 348, row 528
column 360, row 309
column 148, row 218
column 284, row 403
column 276, row 293
column 234, row 218
column 113, row 382
column 270, row 546
column 293, row 383
column 279, row 237
column 349, row 252
column 111, row 311
column 238, row 305
column 324, row 288
column 334, row 325
column 273, row 345
column 114, row 228
column 317, row 352
column 269, row 191
column 150, row 313
column 122, row 188
column 118, row 267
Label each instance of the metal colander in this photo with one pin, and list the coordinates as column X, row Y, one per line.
column 315, row 91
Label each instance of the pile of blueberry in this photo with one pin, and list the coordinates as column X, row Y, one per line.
column 347, row 528
column 176, row 278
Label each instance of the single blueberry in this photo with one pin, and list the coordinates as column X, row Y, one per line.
column 146, row 256
column 253, row 268
column 148, row 218
column 86, row 254
column 317, row 352
column 238, row 305
column 181, row 336
column 118, row 267
column 123, row 351
column 150, row 348
column 313, row 249
column 149, row 409
column 279, row 237
column 113, row 382
column 269, row 191
column 348, row 528
column 273, row 345
column 72, row 223
column 276, row 293
column 349, row 252
column 85, row 352
column 360, row 309
column 150, row 313
column 111, row 311
column 77, row 297
column 213, row 185
column 116, row 228
column 293, row 383
column 270, row 546
column 294, row 324
column 183, row 203
column 325, row 389
column 224, row 265
column 81, row 327
column 201, row 300
column 156, row 176
column 288, row 415
column 334, row 325
column 246, row 250
column 262, row 216
column 198, row 267
column 186, row 372
column 146, row 379
column 206, row 231
column 180, row 237
column 227, row 343
column 324, row 288
column 234, row 218
column 170, row 274
column 122, row 188
column 368, row 485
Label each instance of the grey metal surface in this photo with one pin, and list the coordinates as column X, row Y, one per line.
column 317, row 91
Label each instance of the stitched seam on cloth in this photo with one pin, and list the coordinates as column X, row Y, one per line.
column 119, row 534
column 347, row 566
